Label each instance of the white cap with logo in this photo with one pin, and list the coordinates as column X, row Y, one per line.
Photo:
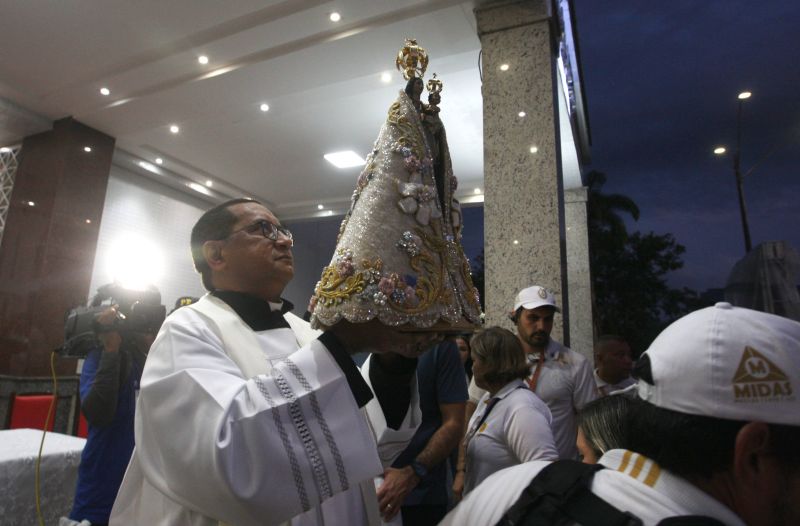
column 534, row 297
column 727, row 362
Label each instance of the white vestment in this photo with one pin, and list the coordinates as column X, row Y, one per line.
column 231, row 428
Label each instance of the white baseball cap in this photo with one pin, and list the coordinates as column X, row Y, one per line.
column 727, row 362
column 534, row 297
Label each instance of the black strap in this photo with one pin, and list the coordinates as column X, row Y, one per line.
column 560, row 495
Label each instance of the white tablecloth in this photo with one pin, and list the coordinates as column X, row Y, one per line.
column 57, row 476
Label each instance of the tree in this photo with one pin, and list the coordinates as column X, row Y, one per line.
column 631, row 294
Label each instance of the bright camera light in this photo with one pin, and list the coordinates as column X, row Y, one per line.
column 135, row 262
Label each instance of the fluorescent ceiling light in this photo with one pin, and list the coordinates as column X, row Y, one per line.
column 346, row 159
column 147, row 166
column 199, row 188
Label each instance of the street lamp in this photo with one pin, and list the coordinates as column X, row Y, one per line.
column 743, row 96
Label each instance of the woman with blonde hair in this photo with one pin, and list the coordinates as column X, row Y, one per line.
column 511, row 424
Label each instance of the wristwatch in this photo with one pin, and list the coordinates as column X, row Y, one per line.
column 419, row 470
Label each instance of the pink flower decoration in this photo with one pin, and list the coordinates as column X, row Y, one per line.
column 386, row 286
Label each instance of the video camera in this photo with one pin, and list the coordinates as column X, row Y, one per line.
column 137, row 311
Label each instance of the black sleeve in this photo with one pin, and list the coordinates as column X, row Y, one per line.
column 361, row 391
column 100, row 404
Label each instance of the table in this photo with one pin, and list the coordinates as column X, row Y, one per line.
column 58, row 474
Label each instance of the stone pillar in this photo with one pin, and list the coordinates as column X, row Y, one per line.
column 523, row 207
column 49, row 242
column 581, row 327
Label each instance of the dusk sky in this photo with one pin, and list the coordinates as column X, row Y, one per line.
column 661, row 81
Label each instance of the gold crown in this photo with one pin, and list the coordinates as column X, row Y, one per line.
column 412, row 59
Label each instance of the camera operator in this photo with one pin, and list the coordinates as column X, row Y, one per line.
column 109, row 386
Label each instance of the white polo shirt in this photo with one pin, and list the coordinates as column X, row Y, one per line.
column 631, row 482
column 565, row 384
column 516, row 430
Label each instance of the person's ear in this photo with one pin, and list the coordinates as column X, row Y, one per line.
column 757, row 473
column 212, row 252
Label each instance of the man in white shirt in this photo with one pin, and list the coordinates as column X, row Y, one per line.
column 714, row 436
column 246, row 416
column 613, row 363
column 561, row 377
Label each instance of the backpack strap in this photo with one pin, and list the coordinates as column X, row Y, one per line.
column 560, row 495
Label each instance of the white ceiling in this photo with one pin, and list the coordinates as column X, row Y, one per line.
column 321, row 80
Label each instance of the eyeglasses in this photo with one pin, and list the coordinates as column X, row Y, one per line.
column 268, row 230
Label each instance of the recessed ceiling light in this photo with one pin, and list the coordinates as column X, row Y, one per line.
column 209, row 183
column 87, row 149
column 516, row 241
column 159, row 160
column 477, row 191
column 88, row 221
column 347, row 159
column 264, row 107
column 174, row 128
column 105, row 92
column 320, row 207
column 521, row 114
column 386, row 77
column 202, row 59
column 534, row 149
column 503, row 67
column 335, row 17
column 31, row 203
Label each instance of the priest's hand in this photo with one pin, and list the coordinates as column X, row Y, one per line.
column 397, row 484
column 373, row 336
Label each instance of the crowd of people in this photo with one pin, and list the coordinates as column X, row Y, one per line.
column 243, row 414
